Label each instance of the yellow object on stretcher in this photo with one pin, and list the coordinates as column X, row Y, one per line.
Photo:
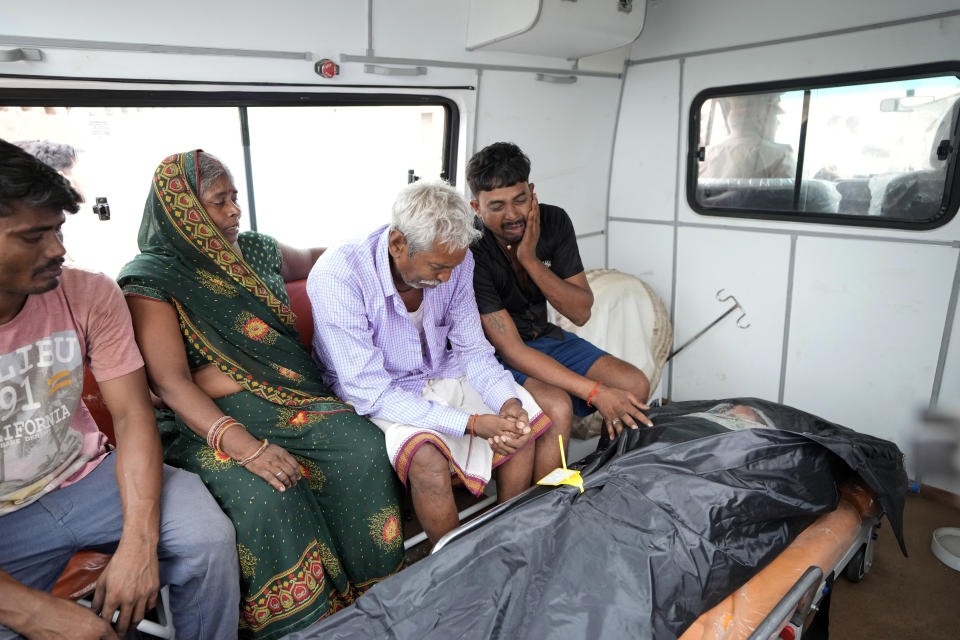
column 564, row 475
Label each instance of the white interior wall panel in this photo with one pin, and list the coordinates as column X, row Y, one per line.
column 907, row 44
column 284, row 25
column 565, row 129
column 324, row 27
column 865, row 329
column 678, row 26
column 950, row 385
column 592, row 251
column 646, row 251
column 728, row 361
column 645, row 151
column 950, row 400
column 420, row 29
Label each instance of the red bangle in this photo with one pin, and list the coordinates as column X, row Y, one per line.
column 592, row 393
column 473, row 421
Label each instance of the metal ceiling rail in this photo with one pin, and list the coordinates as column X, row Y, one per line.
column 418, row 62
column 136, row 47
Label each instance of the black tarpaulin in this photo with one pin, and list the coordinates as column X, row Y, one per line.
column 672, row 519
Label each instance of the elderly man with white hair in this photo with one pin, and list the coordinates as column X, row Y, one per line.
column 399, row 336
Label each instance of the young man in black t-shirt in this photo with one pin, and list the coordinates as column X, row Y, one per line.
column 527, row 257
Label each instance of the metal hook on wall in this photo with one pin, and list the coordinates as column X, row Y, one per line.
column 740, row 321
column 736, row 305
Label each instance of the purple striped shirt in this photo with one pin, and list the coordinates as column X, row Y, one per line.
column 370, row 351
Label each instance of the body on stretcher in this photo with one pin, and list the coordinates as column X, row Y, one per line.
column 834, row 542
column 837, row 542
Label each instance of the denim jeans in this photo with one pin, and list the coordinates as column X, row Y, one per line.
column 197, row 550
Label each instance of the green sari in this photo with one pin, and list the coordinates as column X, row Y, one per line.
column 311, row 550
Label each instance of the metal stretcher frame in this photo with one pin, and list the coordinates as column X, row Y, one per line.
column 488, row 516
column 163, row 628
column 794, row 608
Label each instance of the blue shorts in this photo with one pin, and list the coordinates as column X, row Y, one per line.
column 574, row 353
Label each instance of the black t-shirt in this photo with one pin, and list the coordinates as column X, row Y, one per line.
column 497, row 287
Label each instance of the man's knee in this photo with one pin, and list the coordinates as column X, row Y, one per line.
column 218, row 539
column 429, row 468
column 192, row 517
column 561, row 411
column 520, row 463
column 639, row 385
column 624, row 375
column 217, row 529
column 562, row 428
column 553, row 401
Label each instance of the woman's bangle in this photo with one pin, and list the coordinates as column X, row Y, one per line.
column 593, row 393
column 214, row 431
column 218, row 443
column 256, row 454
column 473, row 421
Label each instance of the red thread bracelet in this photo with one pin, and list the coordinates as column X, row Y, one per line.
column 473, row 421
column 592, row 393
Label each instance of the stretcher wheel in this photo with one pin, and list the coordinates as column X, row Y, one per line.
column 857, row 567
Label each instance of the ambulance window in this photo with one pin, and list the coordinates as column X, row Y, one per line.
column 310, row 170
column 859, row 150
column 331, row 173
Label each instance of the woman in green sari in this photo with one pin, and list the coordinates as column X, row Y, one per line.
column 306, row 481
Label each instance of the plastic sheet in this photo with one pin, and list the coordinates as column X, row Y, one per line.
column 672, row 520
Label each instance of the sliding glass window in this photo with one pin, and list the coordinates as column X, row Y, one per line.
column 873, row 149
column 311, row 169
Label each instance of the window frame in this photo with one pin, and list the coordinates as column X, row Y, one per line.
column 949, row 205
column 80, row 97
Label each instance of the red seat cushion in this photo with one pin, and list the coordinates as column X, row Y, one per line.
column 300, row 304
column 97, row 407
column 80, row 576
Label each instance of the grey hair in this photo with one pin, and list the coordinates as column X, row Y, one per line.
column 429, row 214
column 58, row 155
column 210, row 168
